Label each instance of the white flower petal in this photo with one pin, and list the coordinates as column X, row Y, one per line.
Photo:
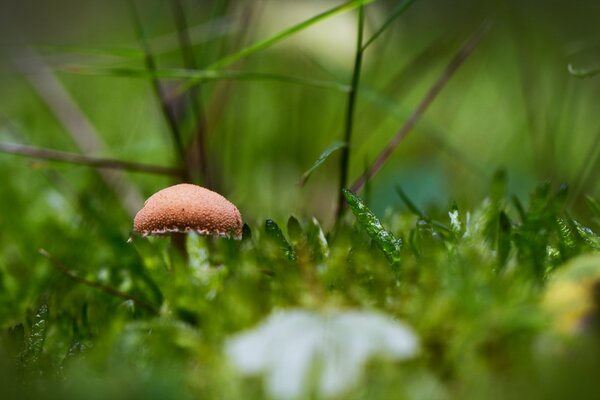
column 291, row 345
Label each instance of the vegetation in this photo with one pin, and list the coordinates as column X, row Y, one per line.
column 416, row 266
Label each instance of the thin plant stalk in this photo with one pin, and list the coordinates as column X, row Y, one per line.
column 97, row 285
column 201, row 76
column 265, row 43
column 189, row 62
column 464, row 52
column 395, row 14
column 151, row 66
column 350, row 108
column 79, row 159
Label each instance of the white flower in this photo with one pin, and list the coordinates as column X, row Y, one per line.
column 296, row 349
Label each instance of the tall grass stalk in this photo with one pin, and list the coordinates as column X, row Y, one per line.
column 350, row 107
column 90, row 161
column 189, row 62
column 151, row 66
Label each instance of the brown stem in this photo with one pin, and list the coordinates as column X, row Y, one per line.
column 178, row 241
column 97, row 162
column 97, row 285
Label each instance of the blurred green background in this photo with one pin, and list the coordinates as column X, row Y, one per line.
column 513, row 104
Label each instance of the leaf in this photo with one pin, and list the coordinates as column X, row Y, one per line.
column 294, row 229
column 498, row 185
column 194, row 76
column 76, row 350
column 410, row 205
column 503, row 240
column 265, row 43
column 385, row 241
column 299, row 352
column 519, row 207
column 246, row 232
column 455, row 223
column 16, row 339
column 123, row 52
column 566, row 234
column 592, row 239
column 35, row 341
column 324, row 155
column 274, row 233
column 316, row 240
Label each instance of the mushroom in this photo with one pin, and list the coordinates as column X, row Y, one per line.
column 183, row 208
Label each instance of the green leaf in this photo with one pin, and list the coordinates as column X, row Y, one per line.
column 274, row 233
column 246, row 232
column 76, row 350
column 268, row 42
column 123, row 52
column 294, row 229
column 330, row 150
column 16, row 339
column 566, row 234
column 503, row 242
column 592, row 239
column 195, row 76
column 519, row 207
column 385, row 241
column 36, row 338
column 498, row 185
column 316, row 240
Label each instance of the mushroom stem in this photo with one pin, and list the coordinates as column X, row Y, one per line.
column 178, row 241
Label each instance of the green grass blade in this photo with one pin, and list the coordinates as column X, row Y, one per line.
column 121, row 52
column 400, row 9
column 265, row 43
column 197, row 76
column 324, row 155
column 385, row 241
column 349, row 116
column 410, row 205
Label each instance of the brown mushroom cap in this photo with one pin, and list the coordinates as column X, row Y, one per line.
column 186, row 208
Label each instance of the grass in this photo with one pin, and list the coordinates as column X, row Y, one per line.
column 471, row 286
column 499, row 287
